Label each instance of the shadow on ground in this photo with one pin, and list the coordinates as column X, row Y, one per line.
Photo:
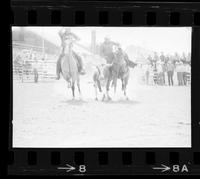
column 121, row 101
column 75, row 102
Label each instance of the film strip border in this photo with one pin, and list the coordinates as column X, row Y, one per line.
column 106, row 14
column 103, row 161
column 106, row 161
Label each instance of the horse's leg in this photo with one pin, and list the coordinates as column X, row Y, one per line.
column 73, row 90
column 79, row 89
column 125, row 86
column 107, row 88
column 122, row 84
column 69, row 84
column 115, row 87
column 96, row 93
column 115, row 84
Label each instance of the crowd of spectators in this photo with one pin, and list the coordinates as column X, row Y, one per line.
column 165, row 69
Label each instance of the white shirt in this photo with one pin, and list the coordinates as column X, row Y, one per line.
column 159, row 68
column 187, row 68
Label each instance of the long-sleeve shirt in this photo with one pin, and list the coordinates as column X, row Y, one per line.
column 107, row 48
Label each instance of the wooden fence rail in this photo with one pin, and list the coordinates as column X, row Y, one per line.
column 27, row 71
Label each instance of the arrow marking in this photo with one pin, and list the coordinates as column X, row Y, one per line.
column 164, row 168
column 68, row 168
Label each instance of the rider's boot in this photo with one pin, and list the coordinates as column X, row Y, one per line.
column 58, row 67
column 81, row 70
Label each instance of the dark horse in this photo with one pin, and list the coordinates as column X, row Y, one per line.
column 105, row 74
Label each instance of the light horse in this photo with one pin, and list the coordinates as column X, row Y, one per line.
column 102, row 78
column 69, row 68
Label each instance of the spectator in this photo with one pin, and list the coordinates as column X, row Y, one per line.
column 160, row 73
column 156, row 58
column 166, row 60
column 170, row 72
column 150, row 60
column 176, row 57
column 163, row 71
column 179, row 70
column 35, row 66
column 147, row 68
column 189, row 58
column 184, row 59
column 162, row 57
column 186, row 73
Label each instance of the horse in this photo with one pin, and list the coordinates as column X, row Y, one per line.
column 101, row 78
column 125, row 74
column 69, row 69
column 106, row 73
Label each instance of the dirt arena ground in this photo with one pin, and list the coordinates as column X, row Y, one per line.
column 155, row 116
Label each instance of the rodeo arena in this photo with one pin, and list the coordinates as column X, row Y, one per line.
column 149, row 106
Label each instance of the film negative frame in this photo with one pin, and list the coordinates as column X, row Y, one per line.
column 110, row 161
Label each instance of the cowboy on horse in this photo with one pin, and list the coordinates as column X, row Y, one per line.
column 66, row 34
column 106, row 50
column 117, row 58
column 117, row 67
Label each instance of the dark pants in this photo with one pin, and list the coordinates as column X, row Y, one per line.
column 161, row 78
column 35, row 75
column 147, row 77
column 180, row 78
column 170, row 77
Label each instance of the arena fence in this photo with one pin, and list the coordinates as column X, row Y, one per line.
column 26, row 69
column 30, row 71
